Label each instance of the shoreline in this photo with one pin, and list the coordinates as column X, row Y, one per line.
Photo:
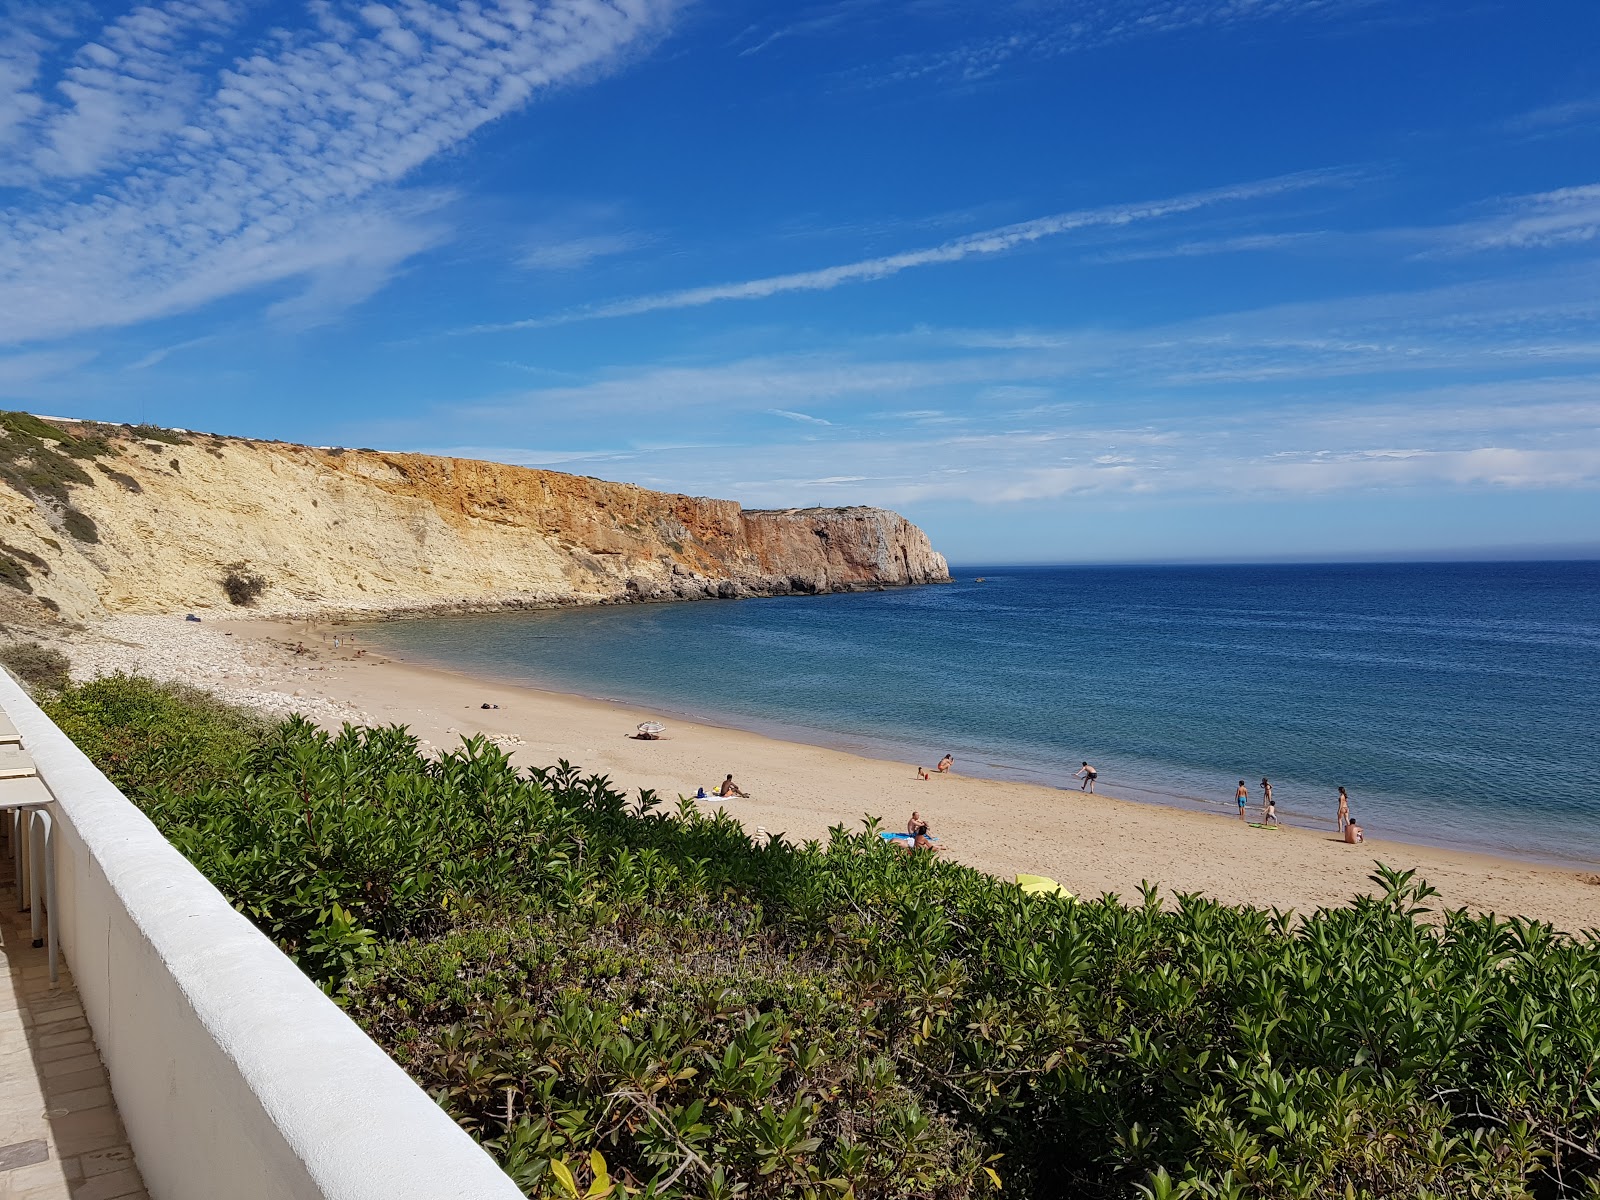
column 884, row 749
column 1090, row 843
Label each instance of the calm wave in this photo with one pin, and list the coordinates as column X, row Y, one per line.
column 1456, row 702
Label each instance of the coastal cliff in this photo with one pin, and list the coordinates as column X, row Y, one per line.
column 102, row 519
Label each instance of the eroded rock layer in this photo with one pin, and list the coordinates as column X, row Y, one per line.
column 104, row 519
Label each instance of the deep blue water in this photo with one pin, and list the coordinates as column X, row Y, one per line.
column 1458, row 703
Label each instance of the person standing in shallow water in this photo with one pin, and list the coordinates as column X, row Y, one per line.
column 1242, row 796
column 1088, row 774
column 1269, row 811
column 1343, row 815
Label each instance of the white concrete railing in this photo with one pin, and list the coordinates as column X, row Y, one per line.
column 236, row 1078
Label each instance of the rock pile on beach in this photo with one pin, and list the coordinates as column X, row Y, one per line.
column 245, row 672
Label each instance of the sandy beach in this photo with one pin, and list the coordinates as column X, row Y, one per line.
column 1090, row 843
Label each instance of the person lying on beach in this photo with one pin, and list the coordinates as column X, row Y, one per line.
column 1243, row 797
column 1088, row 774
column 918, row 829
column 729, row 788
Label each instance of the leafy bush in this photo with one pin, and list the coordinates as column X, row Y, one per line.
column 80, row 525
column 14, row 574
column 40, row 667
column 154, row 433
column 243, row 585
column 153, row 736
column 569, row 971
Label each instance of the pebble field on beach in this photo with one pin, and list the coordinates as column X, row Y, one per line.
column 238, row 670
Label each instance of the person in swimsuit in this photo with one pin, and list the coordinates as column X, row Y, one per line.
column 1269, row 810
column 1243, row 797
column 1088, row 774
column 729, row 788
column 1352, row 831
column 945, row 763
column 1343, row 816
column 918, row 829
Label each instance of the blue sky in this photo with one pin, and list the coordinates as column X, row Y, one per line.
column 1062, row 280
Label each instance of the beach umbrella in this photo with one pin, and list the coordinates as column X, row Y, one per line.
column 651, row 729
column 1040, row 885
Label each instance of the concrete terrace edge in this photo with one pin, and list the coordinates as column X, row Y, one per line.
column 234, row 1075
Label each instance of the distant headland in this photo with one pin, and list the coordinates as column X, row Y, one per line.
column 103, row 519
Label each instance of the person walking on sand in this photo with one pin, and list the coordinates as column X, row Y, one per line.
column 1243, row 797
column 1088, row 774
column 1343, row 816
column 1269, row 810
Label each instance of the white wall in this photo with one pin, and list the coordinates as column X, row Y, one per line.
column 236, row 1077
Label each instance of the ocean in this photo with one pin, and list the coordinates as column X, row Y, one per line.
column 1458, row 703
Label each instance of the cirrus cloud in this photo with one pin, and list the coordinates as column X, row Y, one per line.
column 157, row 183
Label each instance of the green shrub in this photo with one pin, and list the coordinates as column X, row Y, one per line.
column 14, row 574
column 146, row 735
column 568, row 971
column 42, row 668
column 154, row 433
column 80, row 525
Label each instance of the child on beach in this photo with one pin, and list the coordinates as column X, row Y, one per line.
column 1088, row 774
column 1269, row 809
column 1243, row 798
column 1343, row 815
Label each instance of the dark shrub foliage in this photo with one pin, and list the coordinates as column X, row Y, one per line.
column 156, row 736
column 154, row 433
column 14, row 574
column 80, row 525
column 127, row 481
column 569, row 971
column 40, row 667
column 243, row 585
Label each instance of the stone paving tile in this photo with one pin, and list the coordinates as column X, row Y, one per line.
column 60, row 1136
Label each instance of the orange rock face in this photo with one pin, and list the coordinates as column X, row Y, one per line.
column 357, row 530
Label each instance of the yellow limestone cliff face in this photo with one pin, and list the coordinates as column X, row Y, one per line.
column 360, row 530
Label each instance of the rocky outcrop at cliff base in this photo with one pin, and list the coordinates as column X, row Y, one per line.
column 111, row 519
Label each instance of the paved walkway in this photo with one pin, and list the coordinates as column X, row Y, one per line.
column 60, row 1136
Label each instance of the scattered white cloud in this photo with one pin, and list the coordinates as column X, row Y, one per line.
column 162, row 353
column 283, row 166
column 569, row 254
column 1556, row 218
column 1245, row 243
column 1042, row 30
column 988, row 242
column 19, row 373
column 806, row 418
column 1554, row 117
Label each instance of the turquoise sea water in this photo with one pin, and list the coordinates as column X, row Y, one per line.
column 1458, row 703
